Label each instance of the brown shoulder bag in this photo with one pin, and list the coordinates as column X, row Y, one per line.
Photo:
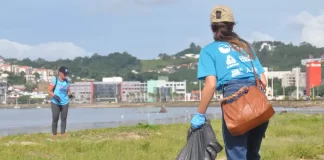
column 250, row 110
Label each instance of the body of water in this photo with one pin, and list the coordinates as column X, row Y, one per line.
column 15, row 121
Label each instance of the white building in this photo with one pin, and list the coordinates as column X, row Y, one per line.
column 291, row 79
column 133, row 91
column 112, row 79
column 269, row 73
column 268, row 46
column 288, row 78
column 190, row 55
column 165, row 89
column 177, row 87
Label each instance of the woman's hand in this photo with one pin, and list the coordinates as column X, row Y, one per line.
column 70, row 95
column 198, row 120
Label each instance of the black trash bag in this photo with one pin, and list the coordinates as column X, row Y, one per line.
column 201, row 144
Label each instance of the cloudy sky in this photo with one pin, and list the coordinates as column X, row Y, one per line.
column 145, row 28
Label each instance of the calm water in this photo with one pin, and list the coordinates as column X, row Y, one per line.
column 14, row 121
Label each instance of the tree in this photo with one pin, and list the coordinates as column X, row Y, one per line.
column 16, row 79
column 281, row 57
column 37, row 76
column 23, row 99
column 193, row 49
column 319, row 91
column 289, row 90
column 29, row 87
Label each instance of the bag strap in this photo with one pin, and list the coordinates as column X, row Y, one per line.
column 255, row 75
column 55, row 83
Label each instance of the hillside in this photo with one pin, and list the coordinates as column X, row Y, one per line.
column 286, row 56
column 160, row 63
column 276, row 55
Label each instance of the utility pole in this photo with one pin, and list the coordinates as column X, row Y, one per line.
column 272, row 85
column 271, row 82
column 297, row 83
column 186, row 90
column 313, row 92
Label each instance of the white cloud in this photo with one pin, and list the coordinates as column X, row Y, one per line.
column 48, row 51
column 259, row 36
column 311, row 27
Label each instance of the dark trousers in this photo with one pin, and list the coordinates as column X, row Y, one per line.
column 247, row 146
column 56, row 111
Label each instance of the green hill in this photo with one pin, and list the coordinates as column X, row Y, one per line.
column 278, row 56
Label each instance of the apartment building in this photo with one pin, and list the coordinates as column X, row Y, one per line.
column 288, row 78
column 107, row 91
column 133, row 91
column 164, row 89
column 177, row 87
column 45, row 74
column 3, row 89
column 83, row 92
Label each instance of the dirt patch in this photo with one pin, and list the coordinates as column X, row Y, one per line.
column 130, row 136
column 25, row 143
column 115, row 136
column 320, row 156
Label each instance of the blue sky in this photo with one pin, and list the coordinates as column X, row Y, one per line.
column 144, row 28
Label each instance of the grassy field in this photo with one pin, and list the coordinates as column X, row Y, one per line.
column 290, row 137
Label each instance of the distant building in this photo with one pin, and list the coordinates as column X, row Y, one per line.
column 83, row 92
column 3, row 90
column 113, row 89
column 45, row 74
column 190, row 55
column 288, row 78
column 107, row 92
column 267, row 46
column 112, row 79
column 133, row 91
column 163, row 89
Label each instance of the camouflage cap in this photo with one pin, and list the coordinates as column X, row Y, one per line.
column 221, row 13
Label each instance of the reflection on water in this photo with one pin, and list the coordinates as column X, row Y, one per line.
column 14, row 121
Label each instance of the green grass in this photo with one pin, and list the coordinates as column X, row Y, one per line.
column 289, row 137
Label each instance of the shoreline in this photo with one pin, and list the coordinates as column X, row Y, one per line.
column 284, row 104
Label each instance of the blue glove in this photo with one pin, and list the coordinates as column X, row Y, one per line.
column 198, row 120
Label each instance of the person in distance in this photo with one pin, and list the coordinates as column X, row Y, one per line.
column 227, row 61
column 59, row 90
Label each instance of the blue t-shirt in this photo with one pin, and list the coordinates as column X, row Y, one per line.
column 221, row 60
column 61, row 90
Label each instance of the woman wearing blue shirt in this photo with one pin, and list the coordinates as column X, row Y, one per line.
column 59, row 90
column 227, row 61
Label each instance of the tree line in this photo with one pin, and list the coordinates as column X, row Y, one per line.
column 281, row 57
